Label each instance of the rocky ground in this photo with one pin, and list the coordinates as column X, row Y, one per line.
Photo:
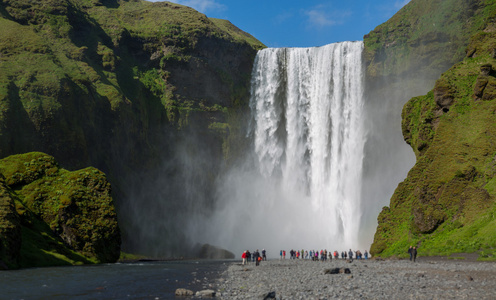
column 428, row 278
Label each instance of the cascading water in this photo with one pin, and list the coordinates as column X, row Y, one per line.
column 307, row 108
column 303, row 191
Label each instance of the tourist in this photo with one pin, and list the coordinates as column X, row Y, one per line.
column 264, row 256
column 350, row 254
column 410, row 252
column 280, row 254
column 283, row 254
column 248, row 256
column 414, row 253
column 243, row 256
column 366, row 254
column 257, row 258
column 306, row 254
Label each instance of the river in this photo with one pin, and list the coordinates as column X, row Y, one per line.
column 135, row 280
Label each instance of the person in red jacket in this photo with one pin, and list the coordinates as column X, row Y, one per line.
column 243, row 256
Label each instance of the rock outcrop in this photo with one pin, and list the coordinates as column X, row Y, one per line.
column 447, row 203
column 51, row 216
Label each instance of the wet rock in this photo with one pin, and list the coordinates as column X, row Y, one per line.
column 269, row 295
column 184, row 292
column 331, row 271
column 205, row 293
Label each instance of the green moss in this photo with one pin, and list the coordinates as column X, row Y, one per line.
column 66, row 217
column 447, row 203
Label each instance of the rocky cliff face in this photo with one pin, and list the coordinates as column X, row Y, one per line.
column 51, row 216
column 137, row 89
column 446, row 204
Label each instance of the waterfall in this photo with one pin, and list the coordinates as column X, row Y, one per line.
column 301, row 187
column 308, row 135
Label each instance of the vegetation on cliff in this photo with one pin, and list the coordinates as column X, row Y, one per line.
column 126, row 86
column 447, row 204
column 423, row 37
column 50, row 216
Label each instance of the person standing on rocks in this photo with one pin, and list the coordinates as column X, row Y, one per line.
column 350, row 254
column 283, row 254
column 414, row 253
column 410, row 252
column 248, row 256
column 280, row 254
column 257, row 257
column 366, row 254
column 264, row 254
column 243, row 256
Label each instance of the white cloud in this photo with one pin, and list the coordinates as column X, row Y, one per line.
column 203, row 6
column 324, row 16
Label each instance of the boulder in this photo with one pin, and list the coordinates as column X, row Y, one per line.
column 205, row 293
column 337, row 271
column 184, row 292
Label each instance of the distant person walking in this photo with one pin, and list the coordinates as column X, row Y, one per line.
column 414, row 253
column 410, row 252
column 280, row 254
column 350, row 254
column 264, row 254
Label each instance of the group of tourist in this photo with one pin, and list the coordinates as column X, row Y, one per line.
column 323, row 255
column 248, row 257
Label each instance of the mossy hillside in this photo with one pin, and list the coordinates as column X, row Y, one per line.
column 121, row 85
column 10, row 229
column 446, row 204
column 424, row 38
column 65, row 217
column 96, row 57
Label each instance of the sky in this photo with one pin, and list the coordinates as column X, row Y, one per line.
column 300, row 23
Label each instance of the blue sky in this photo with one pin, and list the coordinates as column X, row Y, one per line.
column 293, row 23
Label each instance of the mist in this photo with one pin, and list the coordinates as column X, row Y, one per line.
column 299, row 185
column 326, row 154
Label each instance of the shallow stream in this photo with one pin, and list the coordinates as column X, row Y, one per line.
column 136, row 280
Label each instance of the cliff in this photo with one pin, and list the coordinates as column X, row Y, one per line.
column 142, row 91
column 50, row 216
column 446, row 204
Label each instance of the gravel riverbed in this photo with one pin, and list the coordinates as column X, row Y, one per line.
column 427, row 278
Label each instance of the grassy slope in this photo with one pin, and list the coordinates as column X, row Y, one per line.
column 77, row 75
column 423, row 37
column 447, row 204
